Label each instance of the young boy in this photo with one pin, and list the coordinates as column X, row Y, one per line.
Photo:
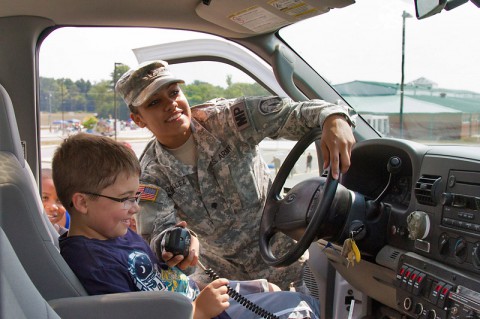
column 98, row 180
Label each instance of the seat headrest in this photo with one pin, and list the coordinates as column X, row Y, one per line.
column 9, row 135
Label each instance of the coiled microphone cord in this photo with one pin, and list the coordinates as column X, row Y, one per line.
column 239, row 298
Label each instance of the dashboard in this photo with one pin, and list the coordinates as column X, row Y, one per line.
column 422, row 256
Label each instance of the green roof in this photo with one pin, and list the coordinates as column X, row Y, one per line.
column 383, row 97
column 366, row 88
column 466, row 105
column 390, row 104
column 385, row 84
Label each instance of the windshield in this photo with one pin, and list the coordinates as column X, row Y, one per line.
column 358, row 50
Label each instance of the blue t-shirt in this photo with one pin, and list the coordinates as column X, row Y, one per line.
column 122, row 264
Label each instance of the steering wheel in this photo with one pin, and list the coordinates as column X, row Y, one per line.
column 301, row 213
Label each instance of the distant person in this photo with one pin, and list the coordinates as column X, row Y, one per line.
column 293, row 171
column 56, row 212
column 108, row 257
column 277, row 162
column 204, row 165
column 309, row 163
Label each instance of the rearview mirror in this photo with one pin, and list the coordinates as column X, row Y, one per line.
column 427, row 8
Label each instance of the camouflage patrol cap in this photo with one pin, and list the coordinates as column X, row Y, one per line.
column 137, row 85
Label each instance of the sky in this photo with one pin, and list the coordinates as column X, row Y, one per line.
column 91, row 53
column 364, row 42
column 359, row 42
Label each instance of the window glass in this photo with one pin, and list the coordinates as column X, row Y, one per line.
column 358, row 49
column 78, row 67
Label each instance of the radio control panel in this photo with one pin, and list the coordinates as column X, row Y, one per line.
column 431, row 290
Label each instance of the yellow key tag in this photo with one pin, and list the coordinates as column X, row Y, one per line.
column 356, row 251
column 351, row 259
column 347, row 247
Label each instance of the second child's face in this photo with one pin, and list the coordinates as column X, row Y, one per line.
column 167, row 114
column 53, row 207
column 106, row 218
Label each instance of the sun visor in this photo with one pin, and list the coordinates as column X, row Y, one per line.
column 257, row 17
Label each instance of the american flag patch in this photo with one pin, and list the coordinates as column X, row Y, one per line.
column 148, row 192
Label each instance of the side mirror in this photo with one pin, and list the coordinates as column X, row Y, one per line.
column 427, row 8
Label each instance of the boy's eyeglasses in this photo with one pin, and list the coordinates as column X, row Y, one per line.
column 128, row 202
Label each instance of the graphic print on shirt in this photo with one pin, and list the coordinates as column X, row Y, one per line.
column 147, row 277
column 144, row 272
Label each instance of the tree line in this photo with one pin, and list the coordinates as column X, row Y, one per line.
column 66, row 95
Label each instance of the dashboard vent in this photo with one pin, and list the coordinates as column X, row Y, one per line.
column 425, row 189
column 394, row 255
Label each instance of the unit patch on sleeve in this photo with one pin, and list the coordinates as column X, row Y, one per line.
column 149, row 193
column 271, row 105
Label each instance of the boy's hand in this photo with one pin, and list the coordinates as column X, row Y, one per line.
column 180, row 261
column 212, row 300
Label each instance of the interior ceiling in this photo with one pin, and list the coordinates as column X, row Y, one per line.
column 180, row 14
column 138, row 13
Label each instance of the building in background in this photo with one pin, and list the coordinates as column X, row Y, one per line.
column 429, row 113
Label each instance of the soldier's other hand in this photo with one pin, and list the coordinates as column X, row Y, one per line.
column 179, row 260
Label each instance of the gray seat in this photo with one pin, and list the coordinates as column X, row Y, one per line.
column 42, row 275
column 19, row 298
column 22, row 217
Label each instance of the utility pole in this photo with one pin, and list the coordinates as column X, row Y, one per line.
column 63, row 113
column 115, row 97
column 50, row 112
column 404, row 16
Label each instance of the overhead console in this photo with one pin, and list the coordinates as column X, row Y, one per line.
column 256, row 17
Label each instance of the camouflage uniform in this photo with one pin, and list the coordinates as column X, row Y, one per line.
column 222, row 197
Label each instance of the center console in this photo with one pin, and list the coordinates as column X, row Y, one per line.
column 428, row 289
column 441, row 280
